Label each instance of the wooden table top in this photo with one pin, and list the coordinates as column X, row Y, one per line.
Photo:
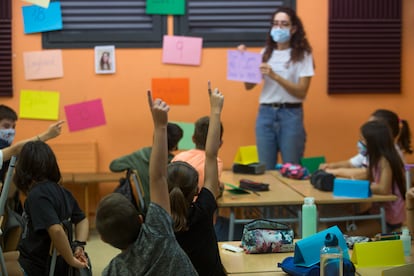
column 305, row 188
column 278, row 194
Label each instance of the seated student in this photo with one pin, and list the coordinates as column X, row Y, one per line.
column 139, row 160
column 409, row 207
column 356, row 166
column 385, row 170
column 193, row 220
column 196, row 157
column 148, row 247
column 8, row 118
column 47, row 205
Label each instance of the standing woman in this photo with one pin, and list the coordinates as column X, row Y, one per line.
column 287, row 70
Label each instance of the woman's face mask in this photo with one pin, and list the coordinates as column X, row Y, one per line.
column 280, row 35
column 362, row 148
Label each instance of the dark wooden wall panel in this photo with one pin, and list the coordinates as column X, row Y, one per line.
column 364, row 46
column 6, row 85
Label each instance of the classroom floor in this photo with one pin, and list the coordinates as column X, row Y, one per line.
column 99, row 252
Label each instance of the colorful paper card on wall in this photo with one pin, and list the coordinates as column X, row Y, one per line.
column 42, row 105
column 41, row 3
column 378, row 253
column 37, row 19
column 85, row 115
column 244, row 66
column 246, row 155
column 176, row 7
column 173, row 91
column 186, row 142
column 43, row 64
column 181, row 50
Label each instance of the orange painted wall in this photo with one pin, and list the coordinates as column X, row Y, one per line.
column 332, row 122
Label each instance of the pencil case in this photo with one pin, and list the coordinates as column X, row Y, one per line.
column 253, row 185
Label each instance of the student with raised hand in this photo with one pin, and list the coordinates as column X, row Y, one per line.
column 53, row 130
column 385, row 170
column 139, row 160
column 193, row 221
column 148, row 247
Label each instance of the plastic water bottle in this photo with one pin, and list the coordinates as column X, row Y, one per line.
column 309, row 217
column 406, row 240
column 331, row 257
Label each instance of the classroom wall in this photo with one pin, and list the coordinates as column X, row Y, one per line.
column 332, row 121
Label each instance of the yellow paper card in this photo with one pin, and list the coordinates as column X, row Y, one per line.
column 42, row 105
column 379, row 253
column 246, row 155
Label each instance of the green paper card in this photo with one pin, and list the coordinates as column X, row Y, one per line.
column 175, row 7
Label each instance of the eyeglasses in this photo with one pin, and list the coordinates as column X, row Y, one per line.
column 281, row 24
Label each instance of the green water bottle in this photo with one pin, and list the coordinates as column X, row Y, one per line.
column 309, row 217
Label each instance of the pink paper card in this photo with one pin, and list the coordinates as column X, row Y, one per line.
column 85, row 115
column 182, row 50
column 43, row 64
column 244, row 66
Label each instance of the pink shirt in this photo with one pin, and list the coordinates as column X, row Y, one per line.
column 197, row 159
column 394, row 210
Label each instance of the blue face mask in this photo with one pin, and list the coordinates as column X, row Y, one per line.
column 280, row 35
column 362, row 148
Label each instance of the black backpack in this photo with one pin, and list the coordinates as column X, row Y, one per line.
column 322, row 180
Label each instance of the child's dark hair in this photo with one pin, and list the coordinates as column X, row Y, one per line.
column 36, row 163
column 392, row 120
column 117, row 221
column 174, row 135
column 201, row 130
column 380, row 143
column 7, row 113
column 182, row 181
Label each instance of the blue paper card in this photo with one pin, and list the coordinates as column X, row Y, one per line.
column 351, row 188
column 37, row 19
column 308, row 250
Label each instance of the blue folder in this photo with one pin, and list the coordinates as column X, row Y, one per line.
column 308, row 250
column 351, row 188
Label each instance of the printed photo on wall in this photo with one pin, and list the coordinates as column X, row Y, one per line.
column 104, row 59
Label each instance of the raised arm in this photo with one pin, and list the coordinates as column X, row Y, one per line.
column 159, row 155
column 53, row 131
column 211, row 179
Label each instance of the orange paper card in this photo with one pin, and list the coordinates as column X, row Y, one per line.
column 172, row 91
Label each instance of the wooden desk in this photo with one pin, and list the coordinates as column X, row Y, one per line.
column 259, row 264
column 279, row 194
column 305, row 188
column 266, row 264
column 85, row 179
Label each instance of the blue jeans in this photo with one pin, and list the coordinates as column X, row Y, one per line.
column 280, row 130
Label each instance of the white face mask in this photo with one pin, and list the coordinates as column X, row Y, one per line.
column 7, row 136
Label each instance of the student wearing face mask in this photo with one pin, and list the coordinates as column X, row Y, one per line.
column 287, row 70
column 356, row 167
column 8, row 118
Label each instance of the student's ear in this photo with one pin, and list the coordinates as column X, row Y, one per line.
column 140, row 219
